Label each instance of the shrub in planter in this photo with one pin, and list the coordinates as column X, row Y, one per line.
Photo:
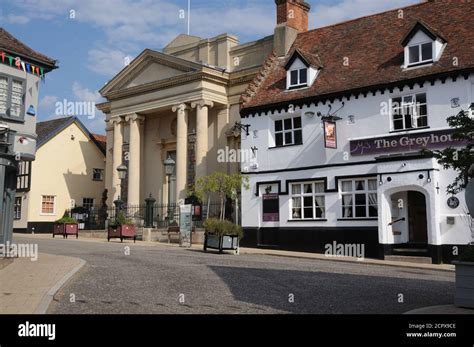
column 222, row 235
column 66, row 226
column 121, row 228
column 464, row 296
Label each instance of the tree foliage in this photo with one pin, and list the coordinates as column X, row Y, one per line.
column 458, row 159
column 221, row 184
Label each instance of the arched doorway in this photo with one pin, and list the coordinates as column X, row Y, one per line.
column 417, row 218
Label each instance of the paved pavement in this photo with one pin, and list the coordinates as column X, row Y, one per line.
column 128, row 278
column 28, row 287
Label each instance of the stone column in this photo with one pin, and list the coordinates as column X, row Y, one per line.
column 116, row 156
column 202, row 135
column 181, row 150
column 134, row 163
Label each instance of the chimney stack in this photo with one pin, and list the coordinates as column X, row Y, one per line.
column 292, row 19
column 294, row 13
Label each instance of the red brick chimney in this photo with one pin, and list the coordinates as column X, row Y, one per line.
column 294, row 13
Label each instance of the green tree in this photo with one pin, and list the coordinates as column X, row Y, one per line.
column 221, row 184
column 458, row 159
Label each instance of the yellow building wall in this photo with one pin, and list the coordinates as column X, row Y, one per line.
column 64, row 168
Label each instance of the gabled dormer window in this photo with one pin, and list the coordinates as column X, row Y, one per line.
column 422, row 46
column 301, row 70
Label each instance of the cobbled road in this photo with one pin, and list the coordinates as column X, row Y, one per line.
column 170, row 280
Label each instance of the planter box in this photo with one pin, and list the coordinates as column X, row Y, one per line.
column 66, row 229
column 122, row 232
column 221, row 243
column 464, row 296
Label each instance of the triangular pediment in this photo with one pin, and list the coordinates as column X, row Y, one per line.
column 154, row 71
column 150, row 66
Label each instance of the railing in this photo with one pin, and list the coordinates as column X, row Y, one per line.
column 164, row 215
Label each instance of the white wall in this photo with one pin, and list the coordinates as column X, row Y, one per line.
column 368, row 123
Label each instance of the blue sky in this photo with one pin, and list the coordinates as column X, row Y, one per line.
column 91, row 47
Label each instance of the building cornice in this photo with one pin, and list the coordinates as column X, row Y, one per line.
column 168, row 83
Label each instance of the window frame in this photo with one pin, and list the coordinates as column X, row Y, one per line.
column 355, row 192
column 284, row 131
column 101, row 174
column 7, row 115
column 415, row 107
column 420, row 54
column 89, row 205
column 302, row 195
column 17, row 208
column 299, row 84
column 54, row 205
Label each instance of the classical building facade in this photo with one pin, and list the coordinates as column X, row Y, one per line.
column 338, row 126
column 182, row 103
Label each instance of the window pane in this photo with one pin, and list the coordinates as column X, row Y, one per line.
column 421, row 98
column 298, row 137
column 422, row 110
column 279, row 139
column 308, row 213
column 288, row 124
column 360, row 211
column 422, row 121
column 360, row 199
column 295, row 189
column 427, row 51
column 398, row 124
column 278, row 125
column 414, row 53
column 372, row 184
column 3, row 94
column 346, row 186
column 308, row 188
column 347, row 206
column 303, row 76
column 373, row 211
column 408, row 121
column 360, row 185
column 16, row 99
column 308, row 201
column 294, row 77
column 297, row 122
column 319, row 188
column 288, row 138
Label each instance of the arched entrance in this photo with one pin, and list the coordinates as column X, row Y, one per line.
column 408, row 217
column 417, row 218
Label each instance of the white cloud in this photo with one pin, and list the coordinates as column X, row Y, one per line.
column 107, row 62
column 322, row 15
column 48, row 101
column 17, row 19
column 85, row 94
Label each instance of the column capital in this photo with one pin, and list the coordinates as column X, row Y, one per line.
column 134, row 117
column 114, row 120
column 181, row 107
column 202, row 103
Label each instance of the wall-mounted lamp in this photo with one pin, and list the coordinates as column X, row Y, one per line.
column 310, row 114
column 241, row 127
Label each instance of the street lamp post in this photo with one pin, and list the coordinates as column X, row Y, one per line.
column 122, row 174
column 169, row 170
